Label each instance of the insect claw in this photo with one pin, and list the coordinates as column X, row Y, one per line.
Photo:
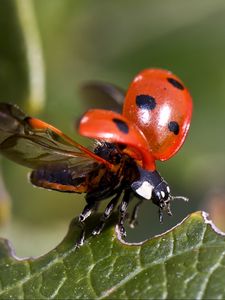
column 133, row 224
column 81, row 218
column 122, row 231
column 81, row 239
column 95, row 232
column 98, row 228
column 169, row 212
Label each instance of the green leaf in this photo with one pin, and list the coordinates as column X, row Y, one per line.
column 185, row 262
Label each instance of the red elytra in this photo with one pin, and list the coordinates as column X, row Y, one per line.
column 113, row 127
column 157, row 109
column 170, row 105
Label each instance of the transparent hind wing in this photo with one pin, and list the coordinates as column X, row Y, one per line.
column 103, row 95
column 34, row 143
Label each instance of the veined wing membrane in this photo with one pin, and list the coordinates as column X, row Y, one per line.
column 34, row 143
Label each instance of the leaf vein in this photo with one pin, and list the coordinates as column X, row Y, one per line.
column 186, row 282
column 203, row 287
column 55, row 293
column 121, row 283
column 165, row 282
column 139, row 270
column 59, row 257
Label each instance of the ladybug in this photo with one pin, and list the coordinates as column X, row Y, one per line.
column 152, row 126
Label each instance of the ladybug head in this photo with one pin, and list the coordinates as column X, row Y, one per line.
column 151, row 186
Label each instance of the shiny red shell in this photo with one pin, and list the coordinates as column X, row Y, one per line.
column 161, row 107
column 110, row 126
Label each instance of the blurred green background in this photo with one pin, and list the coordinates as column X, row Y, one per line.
column 49, row 48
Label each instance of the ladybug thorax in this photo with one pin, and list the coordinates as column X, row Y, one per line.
column 160, row 106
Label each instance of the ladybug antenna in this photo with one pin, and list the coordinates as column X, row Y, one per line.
column 179, row 197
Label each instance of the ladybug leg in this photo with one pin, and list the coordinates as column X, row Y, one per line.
column 80, row 240
column 107, row 213
column 96, row 207
column 133, row 219
column 164, row 206
column 168, row 209
column 160, row 214
column 87, row 211
column 123, row 209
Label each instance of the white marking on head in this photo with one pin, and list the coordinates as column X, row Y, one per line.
column 163, row 194
column 145, row 190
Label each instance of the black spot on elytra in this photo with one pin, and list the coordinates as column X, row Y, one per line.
column 175, row 83
column 121, row 125
column 145, row 102
column 174, row 127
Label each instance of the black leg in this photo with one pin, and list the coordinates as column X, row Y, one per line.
column 160, row 215
column 81, row 238
column 165, row 206
column 96, row 207
column 168, row 209
column 107, row 213
column 87, row 211
column 123, row 209
column 133, row 219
